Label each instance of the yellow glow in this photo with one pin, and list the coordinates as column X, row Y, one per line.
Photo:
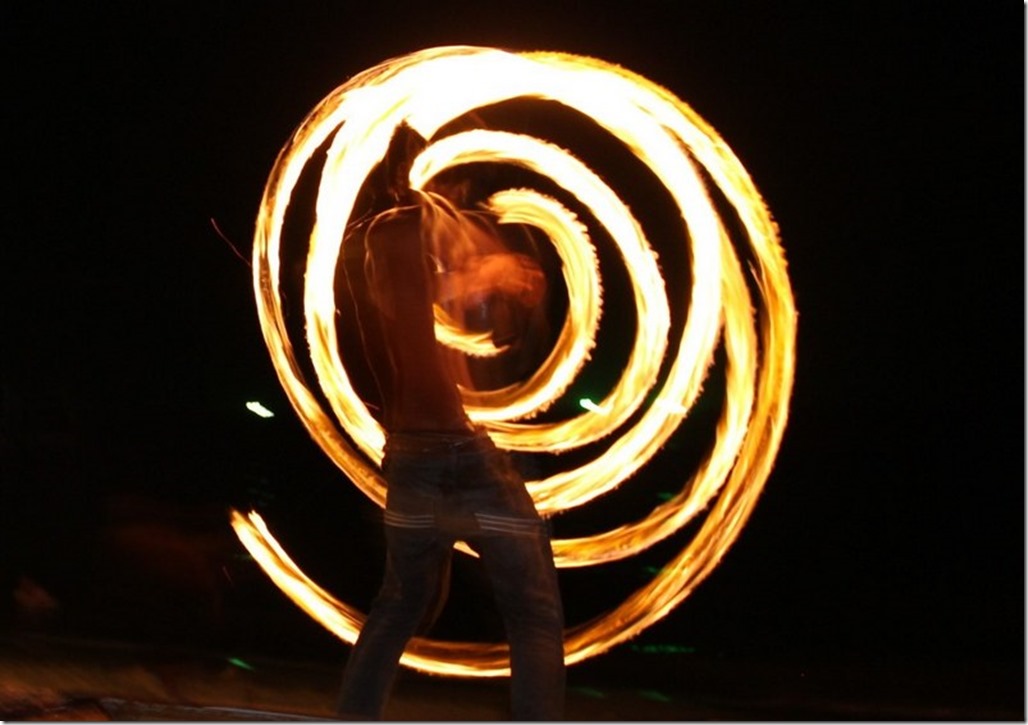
column 450, row 333
column 428, row 89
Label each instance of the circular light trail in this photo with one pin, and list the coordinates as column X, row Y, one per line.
column 351, row 130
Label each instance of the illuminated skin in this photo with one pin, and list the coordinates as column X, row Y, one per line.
column 426, row 90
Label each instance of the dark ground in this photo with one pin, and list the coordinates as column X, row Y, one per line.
column 45, row 678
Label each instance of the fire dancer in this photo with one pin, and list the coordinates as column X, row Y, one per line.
column 446, row 480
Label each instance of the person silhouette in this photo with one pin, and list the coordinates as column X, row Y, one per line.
column 446, row 481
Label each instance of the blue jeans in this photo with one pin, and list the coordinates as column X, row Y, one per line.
column 444, row 488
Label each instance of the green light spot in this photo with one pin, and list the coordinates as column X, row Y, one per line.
column 240, row 664
column 663, row 649
column 590, row 692
column 589, row 405
column 654, row 695
column 665, row 495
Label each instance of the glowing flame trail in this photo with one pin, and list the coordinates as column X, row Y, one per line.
column 428, row 89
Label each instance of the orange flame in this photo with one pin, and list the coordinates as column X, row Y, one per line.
column 426, row 90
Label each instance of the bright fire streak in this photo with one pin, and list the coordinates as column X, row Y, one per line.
column 578, row 334
column 450, row 333
column 428, row 89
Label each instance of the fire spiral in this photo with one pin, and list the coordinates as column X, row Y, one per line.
column 350, row 131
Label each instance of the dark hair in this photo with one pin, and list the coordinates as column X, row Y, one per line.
column 404, row 146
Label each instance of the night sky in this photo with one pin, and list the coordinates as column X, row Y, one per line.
column 887, row 139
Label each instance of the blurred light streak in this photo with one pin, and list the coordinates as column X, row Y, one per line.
column 591, row 406
column 257, row 409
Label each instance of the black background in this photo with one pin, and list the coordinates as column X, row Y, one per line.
column 887, row 138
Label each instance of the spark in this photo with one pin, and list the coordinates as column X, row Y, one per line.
column 350, row 131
